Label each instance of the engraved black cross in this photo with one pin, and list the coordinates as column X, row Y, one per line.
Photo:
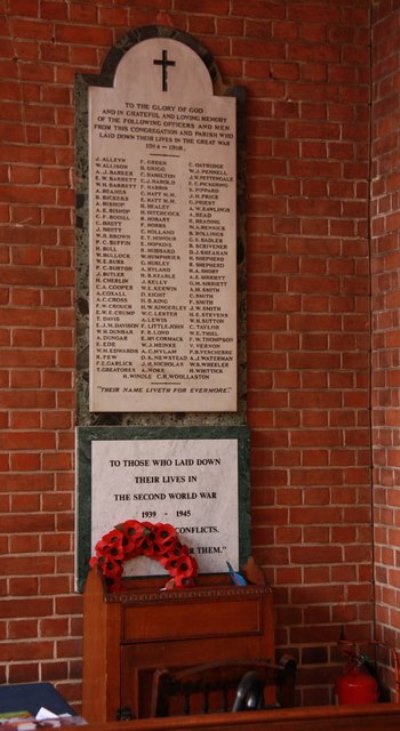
column 164, row 62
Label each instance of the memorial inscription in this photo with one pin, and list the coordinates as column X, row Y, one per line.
column 195, row 479
column 183, row 483
column 162, row 230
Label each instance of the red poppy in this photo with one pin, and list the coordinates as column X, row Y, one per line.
column 165, row 533
column 187, row 567
column 181, row 565
column 183, row 569
column 113, row 538
column 150, row 546
column 169, row 552
column 112, row 571
column 164, row 540
column 180, row 582
column 132, row 532
column 116, row 552
column 157, row 541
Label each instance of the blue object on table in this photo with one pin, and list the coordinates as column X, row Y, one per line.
column 237, row 578
column 31, row 697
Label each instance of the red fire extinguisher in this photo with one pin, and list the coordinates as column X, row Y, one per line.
column 357, row 683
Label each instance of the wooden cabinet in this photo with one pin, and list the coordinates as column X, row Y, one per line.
column 128, row 635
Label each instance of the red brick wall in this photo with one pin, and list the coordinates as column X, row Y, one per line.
column 305, row 65
column 385, row 224
column 309, row 325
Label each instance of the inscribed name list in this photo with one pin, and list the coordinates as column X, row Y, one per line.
column 190, row 484
column 162, row 230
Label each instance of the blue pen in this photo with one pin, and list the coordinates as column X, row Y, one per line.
column 237, row 578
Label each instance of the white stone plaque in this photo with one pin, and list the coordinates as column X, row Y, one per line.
column 193, row 484
column 162, row 236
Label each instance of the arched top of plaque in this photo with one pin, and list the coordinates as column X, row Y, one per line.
column 168, row 66
column 196, row 64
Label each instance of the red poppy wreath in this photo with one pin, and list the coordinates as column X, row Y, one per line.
column 158, row 541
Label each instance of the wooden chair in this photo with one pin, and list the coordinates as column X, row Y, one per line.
column 233, row 685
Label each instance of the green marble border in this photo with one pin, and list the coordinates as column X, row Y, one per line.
column 106, row 78
column 86, row 435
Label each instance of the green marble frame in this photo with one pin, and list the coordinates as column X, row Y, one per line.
column 85, row 437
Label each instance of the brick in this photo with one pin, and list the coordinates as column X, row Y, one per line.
column 36, row 481
column 19, row 440
column 62, row 339
column 25, row 544
column 24, row 255
column 14, row 651
column 201, row 25
column 25, row 503
column 27, row 275
column 72, row 34
column 57, row 379
column 53, row 626
column 28, row 338
column 57, row 543
column 24, row 7
column 23, row 672
column 24, row 420
column 57, row 420
column 313, row 32
column 32, row 399
column 313, row 13
column 27, row 379
column 26, row 523
column 36, row 607
column 61, row 587
column 22, row 628
column 65, row 564
column 57, row 298
column 69, row 605
column 11, row 112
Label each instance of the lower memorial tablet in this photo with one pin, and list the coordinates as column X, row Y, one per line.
column 195, row 479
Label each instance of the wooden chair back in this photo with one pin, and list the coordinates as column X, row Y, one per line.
column 224, row 686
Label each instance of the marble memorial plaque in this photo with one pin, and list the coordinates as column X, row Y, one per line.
column 183, row 483
column 196, row 479
column 162, row 236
